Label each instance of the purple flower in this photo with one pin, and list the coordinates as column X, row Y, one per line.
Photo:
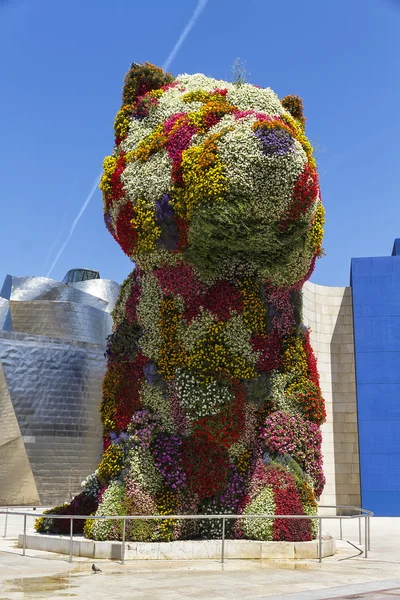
column 165, row 217
column 275, row 142
column 168, row 459
column 108, row 222
column 164, row 208
column 142, row 427
column 118, row 438
column 150, row 371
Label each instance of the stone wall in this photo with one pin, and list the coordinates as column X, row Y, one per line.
column 328, row 313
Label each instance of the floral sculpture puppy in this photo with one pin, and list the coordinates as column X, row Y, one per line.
column 211, row 401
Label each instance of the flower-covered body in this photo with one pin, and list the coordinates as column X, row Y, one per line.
column 211, row 403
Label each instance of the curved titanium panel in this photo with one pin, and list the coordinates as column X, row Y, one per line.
column 52, row 344
column 5, row 318
column 30, row 288
column 43, row 288
column 6, row 287
column 61, row 320
column 17, row 484
column 65, row 293
column 55, row 391
column 106, row 289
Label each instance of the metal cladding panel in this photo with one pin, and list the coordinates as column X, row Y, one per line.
column 106, row 289
column 65, row 320
column 53, row 361
column 376, row 308
column 5, row 317
column 43, row 288
column 55, row 390
column 6, row 287
column 17, row 484
column 30, row 288
column 69, row 294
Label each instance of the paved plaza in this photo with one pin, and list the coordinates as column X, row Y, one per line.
column 347, row 575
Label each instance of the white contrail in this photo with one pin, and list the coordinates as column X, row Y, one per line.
column 192, row 22
column 54, row 244
column 74, row 224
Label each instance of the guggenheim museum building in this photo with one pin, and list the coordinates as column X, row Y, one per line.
column 52, row 344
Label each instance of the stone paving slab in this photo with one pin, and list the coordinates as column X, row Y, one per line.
column 50, row 576
column 382, row 590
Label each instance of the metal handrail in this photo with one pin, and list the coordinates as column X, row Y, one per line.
column 363, row 514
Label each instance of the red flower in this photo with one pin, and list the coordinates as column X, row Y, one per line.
column 117, row 191
column 270, row 347
column 126, row 234
column 183, row 228
column 222, row 298
column 305, row 192
column 132, row 302
column 206, row 466
column 226, row 427
column 128, row 391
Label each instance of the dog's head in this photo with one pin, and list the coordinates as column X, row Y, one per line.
column 220, row 173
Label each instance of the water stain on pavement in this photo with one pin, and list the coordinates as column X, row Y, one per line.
column 43, row 587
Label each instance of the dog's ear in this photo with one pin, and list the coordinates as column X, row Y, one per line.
column 142, row 78
column 294, row 105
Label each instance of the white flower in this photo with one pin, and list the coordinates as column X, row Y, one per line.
column 199, row 399
column 148, row 180
column 148, row 312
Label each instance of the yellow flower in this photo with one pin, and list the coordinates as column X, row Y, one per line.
column 111, row 463
column 317, row 229
column 151, row 144
column 204, row 178
column 108, row 169
column 145, row 224
column 122, row 121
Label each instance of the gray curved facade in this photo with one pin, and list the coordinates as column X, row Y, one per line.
column 52, row 344
column 65, row 320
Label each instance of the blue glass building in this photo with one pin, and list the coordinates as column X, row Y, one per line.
column 376, row 315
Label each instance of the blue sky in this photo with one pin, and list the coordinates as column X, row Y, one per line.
column 62, row 66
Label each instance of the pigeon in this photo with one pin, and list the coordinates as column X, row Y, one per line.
column 96, row 569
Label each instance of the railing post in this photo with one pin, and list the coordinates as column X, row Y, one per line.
column 366, row 538
column 5, row 524
column 319, row 539
column 123, row 542
column 24, row 540
column 71, row 531
column 359, row 529
column 369, row 532
column 223, row 541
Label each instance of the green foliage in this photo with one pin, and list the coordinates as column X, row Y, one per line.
column 122, row 343
column 46, row 525
column 118, row 312
column 235, row 233
column 142, row 78
column 239, row 72
column 258, row 390
column 297, row 302
column 294, row 105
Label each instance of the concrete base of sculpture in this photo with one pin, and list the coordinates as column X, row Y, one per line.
column 181, row 550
